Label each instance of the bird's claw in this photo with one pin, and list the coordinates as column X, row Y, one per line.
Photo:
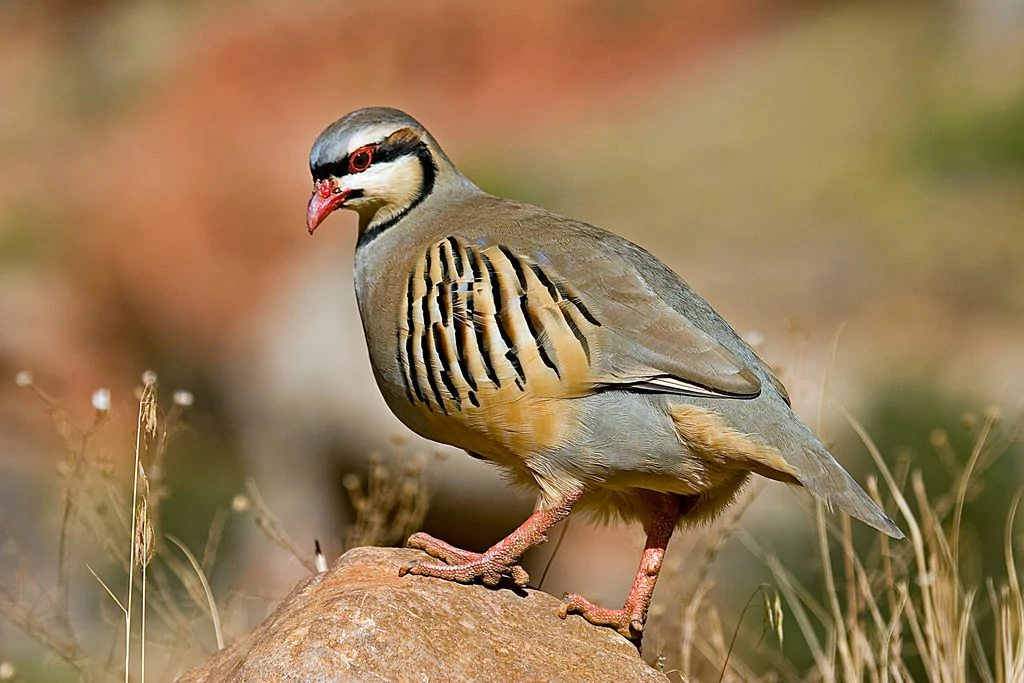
column 625, row 621
column 462, row 565
column 440, row 550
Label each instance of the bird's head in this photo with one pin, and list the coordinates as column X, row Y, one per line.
column 378, row 162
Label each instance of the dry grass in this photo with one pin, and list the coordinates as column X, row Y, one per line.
column 110, row 526
column 391, row 502
column 119, row 538
column 897, row 612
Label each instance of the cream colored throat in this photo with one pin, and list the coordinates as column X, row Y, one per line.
column 393, row 190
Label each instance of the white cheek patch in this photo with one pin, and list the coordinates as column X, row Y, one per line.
column 394, row 184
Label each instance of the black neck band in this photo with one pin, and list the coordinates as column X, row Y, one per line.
column 429, row 168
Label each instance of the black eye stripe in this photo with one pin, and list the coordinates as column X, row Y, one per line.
column 383, row 153
column 335, row 169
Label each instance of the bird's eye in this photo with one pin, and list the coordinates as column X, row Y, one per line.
column 360, row 159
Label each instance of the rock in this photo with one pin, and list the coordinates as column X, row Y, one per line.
column 360, row 621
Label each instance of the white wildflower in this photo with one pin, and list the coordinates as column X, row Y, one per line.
column 23, row 379
column 101, row 400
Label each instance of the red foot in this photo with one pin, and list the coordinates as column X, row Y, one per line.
column 462, row 565
column 628, row 622
column 500, row 560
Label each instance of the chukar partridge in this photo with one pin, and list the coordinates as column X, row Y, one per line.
column 573, row 359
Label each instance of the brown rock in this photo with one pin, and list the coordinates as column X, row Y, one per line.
column 360, row 621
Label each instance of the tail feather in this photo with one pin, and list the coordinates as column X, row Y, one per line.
column 820, row 474
column 787, row 451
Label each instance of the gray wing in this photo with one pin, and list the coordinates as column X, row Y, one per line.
column 648, row 330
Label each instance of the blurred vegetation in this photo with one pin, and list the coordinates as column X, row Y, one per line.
column 965, row 143
column 125, row 532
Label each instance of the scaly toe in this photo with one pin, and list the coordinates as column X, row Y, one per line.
column 626, row 622
column 440, row 550
column 488, row 570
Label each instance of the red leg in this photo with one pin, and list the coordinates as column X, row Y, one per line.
column 630, row 620
column 501, row 559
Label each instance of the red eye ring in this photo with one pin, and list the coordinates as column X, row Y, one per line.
column 360, row 160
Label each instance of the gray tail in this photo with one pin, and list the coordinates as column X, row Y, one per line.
column 832, row 483
column 820, row 474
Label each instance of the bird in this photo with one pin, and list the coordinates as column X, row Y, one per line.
column 576, row 361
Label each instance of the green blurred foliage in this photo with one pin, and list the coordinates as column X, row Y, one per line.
column 975, row 143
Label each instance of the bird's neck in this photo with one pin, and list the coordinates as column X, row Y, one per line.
column 439, row 182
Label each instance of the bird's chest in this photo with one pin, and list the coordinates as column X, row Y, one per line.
column 470, row 347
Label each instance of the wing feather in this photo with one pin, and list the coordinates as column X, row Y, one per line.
column 634, row 340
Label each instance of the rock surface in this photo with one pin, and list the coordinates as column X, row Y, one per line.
column 360, row 621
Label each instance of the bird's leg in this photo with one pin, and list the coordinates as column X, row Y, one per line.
column 501, row 559
column 630, row 620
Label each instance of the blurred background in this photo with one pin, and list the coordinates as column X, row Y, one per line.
column 808, row 167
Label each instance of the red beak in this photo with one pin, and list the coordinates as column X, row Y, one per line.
column 323, row 201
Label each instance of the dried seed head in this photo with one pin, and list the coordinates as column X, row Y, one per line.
column 145, row 536
column 993, row 414
column 350, row 482
column 101, row 400
column 241, row 503
column 148, row 410
column 149, row 377
column 939, row 438
column 970, row 421
column 7, row 671
column 23, row 379
column 183, row 398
